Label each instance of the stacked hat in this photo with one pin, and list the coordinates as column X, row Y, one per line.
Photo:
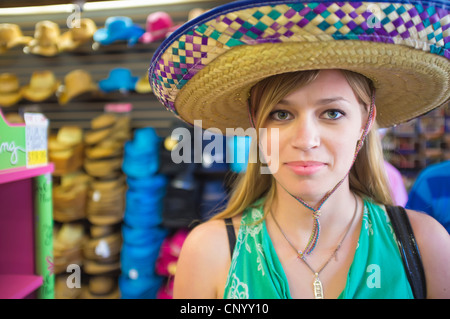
column 66, row 149
column 69, row 197
column 103, row 161
column 166, row 264
column 10, row 92
column 101, row 253
column 142, row 231
column 211, row 175
column 238, row 151
column 68, row 242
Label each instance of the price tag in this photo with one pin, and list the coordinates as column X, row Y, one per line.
column 36, row 126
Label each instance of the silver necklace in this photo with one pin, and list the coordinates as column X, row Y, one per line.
column 317, row 284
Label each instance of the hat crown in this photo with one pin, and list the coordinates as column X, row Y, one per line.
column 46, row 30
column 8, row 83
column 158, row 21
column 8, row 32
column 86, row 30
column 118, row 24
column 42, row 79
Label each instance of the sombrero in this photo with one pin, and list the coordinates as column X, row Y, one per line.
column 206, row 68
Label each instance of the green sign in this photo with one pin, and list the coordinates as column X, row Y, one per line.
column 12, row 145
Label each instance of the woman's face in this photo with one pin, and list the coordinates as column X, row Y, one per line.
column 318, row 129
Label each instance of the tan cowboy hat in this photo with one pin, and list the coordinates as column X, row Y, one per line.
column 10, row 92
column 102, row 287
column 42, row 85
column 205, row 70
column 11, row 36
column 46, row 38
column 76, row 83
column 77, row 35
column 103, row 248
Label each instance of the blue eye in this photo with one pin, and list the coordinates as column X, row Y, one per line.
column 334, row 114
column 279, row 115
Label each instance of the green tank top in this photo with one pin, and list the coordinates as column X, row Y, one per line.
column 376, row 271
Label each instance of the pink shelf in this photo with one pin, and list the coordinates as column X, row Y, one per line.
column 18, row 286
column 15, row 174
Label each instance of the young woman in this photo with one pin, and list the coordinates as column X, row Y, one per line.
column 316, row 227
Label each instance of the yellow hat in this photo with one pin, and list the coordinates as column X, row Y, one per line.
column 11, row 36
column 76, row 36
column 46, row 38
column 10, row 92
column 76, row 83
column 42, row 85
column 143, row 86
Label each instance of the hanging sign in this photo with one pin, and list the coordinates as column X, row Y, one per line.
column 36, row 139
column 12, row 144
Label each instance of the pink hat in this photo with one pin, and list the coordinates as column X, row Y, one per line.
column 158, row 26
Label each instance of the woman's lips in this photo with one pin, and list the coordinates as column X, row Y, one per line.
column 305, row 167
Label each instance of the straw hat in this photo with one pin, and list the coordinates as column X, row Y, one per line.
column 76, row 83
column 10, row 92
column 11, row 36
column 206, row 68
column 76, row 36
column 46, row 38
column 42, row 85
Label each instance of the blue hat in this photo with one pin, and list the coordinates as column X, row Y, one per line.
column 119, row 28
column 238, row 148
column 119, row 79
column 144, row 288
column 155, row 183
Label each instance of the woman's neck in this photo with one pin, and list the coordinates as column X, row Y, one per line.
column 297, row 220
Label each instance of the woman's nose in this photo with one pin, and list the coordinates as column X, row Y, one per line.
column 306, row 134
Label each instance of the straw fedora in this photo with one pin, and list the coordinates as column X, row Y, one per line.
column 11, row 36
column 76, row 36
column 76, row 82
column 42, row 85
column 46, row 38
column 206, row 68
column 10, row 92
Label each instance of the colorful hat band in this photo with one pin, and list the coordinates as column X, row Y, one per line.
column 420, row 25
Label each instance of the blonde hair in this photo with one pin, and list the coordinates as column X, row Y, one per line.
column 367, row 177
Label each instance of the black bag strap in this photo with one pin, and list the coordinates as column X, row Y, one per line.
column 408, row 249
column 231, row 234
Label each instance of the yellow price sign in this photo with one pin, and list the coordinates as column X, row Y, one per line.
column 37, row 157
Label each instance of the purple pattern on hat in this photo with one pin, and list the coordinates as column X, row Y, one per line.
column 168, row 77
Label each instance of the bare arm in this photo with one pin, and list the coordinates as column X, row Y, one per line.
column 203, row 263
column 434, row 245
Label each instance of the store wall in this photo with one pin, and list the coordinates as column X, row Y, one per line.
column 147, row 111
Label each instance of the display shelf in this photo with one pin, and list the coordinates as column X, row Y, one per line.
column 18, row 286
column 19, row 173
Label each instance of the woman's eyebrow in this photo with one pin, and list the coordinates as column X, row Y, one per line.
column 324, row 101
column 330, row 100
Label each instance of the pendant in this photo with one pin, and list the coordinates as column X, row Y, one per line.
column 318, row 290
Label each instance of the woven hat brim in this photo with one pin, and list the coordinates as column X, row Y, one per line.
column 408, row 82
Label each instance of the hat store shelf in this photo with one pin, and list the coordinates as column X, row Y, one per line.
column 25, row 217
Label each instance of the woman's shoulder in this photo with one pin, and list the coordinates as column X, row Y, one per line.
column 204, row 260
column 433, row 241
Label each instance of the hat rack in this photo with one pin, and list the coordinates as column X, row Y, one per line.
column 147, row 110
